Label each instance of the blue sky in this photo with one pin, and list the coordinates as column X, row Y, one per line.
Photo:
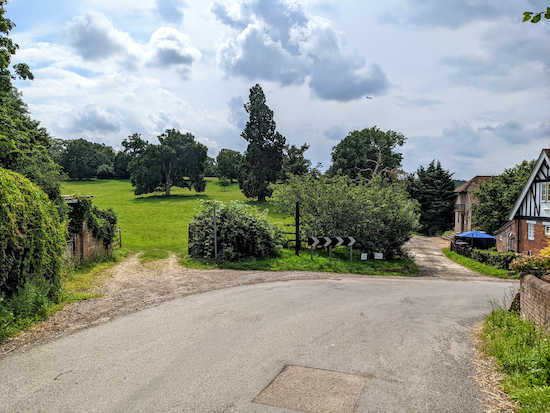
column 465, row 81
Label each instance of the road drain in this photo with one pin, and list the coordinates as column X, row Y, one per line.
column 312, row 390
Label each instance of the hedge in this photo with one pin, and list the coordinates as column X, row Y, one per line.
column 500, row 260
column 32, row 239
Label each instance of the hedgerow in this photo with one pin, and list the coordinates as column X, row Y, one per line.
column 243, row 232
column 31, row 237
column 500, row 260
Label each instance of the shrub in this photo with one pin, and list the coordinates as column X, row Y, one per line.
column 102, row 222
column 31, row 237
column 536, row 265
column 500, row 260
column 380, row 216
column 243, row 232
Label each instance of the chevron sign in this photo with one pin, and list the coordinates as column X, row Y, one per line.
column 324, row 242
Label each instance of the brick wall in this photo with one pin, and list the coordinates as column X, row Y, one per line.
column 86, row 244
column 502, row 246
column 540, row 241
column 535, row 301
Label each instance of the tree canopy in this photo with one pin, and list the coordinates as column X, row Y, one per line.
column 433, row 188
column 263, row 159
column 367, row 153
column 83, row 160
column 229, row 164
column 294, row 161
column 133, row 146
column 535, row 17
column 498, row 195
column 177, row 161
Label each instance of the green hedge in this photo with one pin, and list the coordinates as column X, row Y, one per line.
column 243, row 232
column 500, row 260
column 31, row 237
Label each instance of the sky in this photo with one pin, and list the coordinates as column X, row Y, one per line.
column 465, row 81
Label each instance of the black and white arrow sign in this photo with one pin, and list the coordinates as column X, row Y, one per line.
column 339, row 241
column 313, row 241
column 350, row 241
column 328, row 241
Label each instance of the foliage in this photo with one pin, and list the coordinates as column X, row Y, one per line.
column 498, row 195
column 33, row 239
column 105, row 171
column 177, row 161
column 476, row 266
column 546, row 250
column 243, row 232
column 228, row 164
column 133, row 147
column 263, row 159
column 500, row 260
column 224, row 182
column 535, row 17
column 433, row 188
column 379, row 215
column 210, row 167
column 82, row 159
column 294, row 161
column 536, row 265
column 459, row 182
column 367, row 153
column 522, row 352
column 102, row 223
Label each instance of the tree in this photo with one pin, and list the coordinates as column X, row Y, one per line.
column 498, row 195
column 294, row 161
column 133, row 147
column 177, row 161
column 210, row 167
column 229, row 164
column 79, row 159
column 535, row 17
column 378, row 214
column 433, row 188
column 367, row 153
column 263, row 160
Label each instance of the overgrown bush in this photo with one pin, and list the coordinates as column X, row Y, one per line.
column 243, row 232
column 536, row 265
column 31, row 237
column 102, row 222
column 500, row 260
column 379, row 215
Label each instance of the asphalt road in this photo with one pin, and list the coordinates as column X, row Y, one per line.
column 405, row 338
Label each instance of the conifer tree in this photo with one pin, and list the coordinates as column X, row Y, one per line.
column 264, row 155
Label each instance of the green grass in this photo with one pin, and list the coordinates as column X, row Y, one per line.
column 340, row 263
column 523, row 355
column 478, row 267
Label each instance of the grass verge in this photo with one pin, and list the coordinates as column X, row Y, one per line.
column 478, row 267
column 523, row 355
column 340, row 263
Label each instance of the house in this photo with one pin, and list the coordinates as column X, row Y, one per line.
column 464, row 201
column 528, row 226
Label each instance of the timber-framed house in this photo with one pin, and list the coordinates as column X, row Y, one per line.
column 528, row 226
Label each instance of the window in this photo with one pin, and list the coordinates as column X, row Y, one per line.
column 500, row 237
column 545, row 191
column 530, row 230
column 546, row 228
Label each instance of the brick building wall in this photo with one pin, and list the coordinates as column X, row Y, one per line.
column 526, row 245
column 86, row 245
column 535, row 301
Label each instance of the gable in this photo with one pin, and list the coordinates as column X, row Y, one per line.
column 528, row 204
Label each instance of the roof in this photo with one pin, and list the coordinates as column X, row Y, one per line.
column 70, row 199
column 544, row 156
column 472, row 184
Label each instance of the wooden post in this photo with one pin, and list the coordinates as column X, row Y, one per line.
column 297, row 246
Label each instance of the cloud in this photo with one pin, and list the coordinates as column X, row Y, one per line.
column 90, row 119
column 171, row 48
column 417, row 102
column 237, row 114
column 279, row 42
column 94, row 37
column 170, row 10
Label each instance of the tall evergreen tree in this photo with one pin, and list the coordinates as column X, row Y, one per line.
column 264, row 155
column 433, row 188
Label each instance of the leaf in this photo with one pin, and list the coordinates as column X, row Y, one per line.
column 527, row 16
column 536, row 18
column 547, row 14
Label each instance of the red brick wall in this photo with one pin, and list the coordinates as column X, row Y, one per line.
column 502, row 246
column 540, row 241
column 535, row 301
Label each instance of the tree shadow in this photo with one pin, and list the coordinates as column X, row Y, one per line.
column 140, row 199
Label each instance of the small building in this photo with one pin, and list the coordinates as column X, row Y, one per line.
column 82, row 245
column 463, row 205
column 528, row 227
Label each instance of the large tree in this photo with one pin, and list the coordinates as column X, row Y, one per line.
column 498, row 196
column 133, row 147
column 263, row 160
column 229, row 164
column 367, row 153
column 82, row 159
column 23, row 143
column 294, row 161
column 177, row 161
column 433, row 188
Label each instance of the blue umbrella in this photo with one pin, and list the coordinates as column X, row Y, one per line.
column 474, row 234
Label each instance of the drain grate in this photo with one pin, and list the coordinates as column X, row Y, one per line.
column 313, row 390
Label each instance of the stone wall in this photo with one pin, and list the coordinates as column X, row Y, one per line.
column 535, row 301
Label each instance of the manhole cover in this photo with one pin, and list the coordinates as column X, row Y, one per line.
column 313, row 390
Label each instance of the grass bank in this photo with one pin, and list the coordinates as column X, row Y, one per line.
column 478, row 267
column 523, row 355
